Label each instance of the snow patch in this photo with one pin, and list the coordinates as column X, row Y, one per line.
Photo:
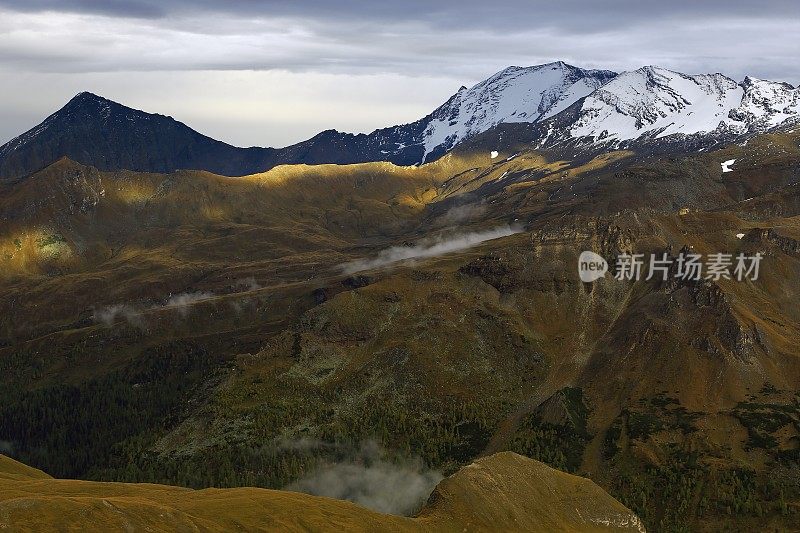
column 494, row 154
column 726, row 165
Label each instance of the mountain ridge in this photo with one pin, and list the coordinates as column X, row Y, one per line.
column 488, row 494
column 568, row 105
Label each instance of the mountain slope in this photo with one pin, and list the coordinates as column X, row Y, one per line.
column 502, row 492
column 767, row 104
column 652, row 99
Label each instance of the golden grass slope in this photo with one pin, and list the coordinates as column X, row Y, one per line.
column 14, row 470
column 504, row 492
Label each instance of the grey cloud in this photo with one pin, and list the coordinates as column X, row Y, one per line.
column 464, row 40
column 567, row 14
column 463, row 213
column 135, row 315
column 248, row 284
column 110, row 314
column 118, row 8
column 244, row 286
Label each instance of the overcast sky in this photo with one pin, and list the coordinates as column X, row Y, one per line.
column 275, row 72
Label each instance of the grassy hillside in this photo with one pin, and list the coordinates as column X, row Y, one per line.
column 502, row 492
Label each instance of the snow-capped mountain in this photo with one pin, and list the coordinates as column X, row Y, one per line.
column 565, row 105
column 652, row 103
column 767, row 104
column 513, row 95
column 656, row 100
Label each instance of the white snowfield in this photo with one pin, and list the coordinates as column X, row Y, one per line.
column 650, row 101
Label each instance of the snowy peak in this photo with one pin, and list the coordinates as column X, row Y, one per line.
column 653, row 102
column 656, row 101
column 515, row 94
column 767, row 104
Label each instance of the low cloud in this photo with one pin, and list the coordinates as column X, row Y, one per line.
column 135, row 315
column 371, row 480
column 109, row 315
column 182, row 302
column 239, row 305
column 248, row 284
column 429, row 248
column 463, row 213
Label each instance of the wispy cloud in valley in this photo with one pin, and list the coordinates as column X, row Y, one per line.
column 183, row 302
column 110, row 314
column 371, row 480
column 431, row 247
column 135, row 314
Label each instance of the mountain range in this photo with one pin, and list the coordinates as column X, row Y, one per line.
column 557, row 104
column 363, row 330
